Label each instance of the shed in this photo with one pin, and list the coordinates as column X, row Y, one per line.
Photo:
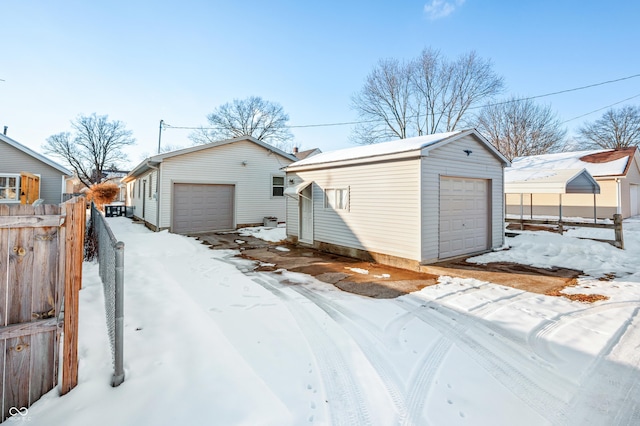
column 617, row 172
column 567, row 181
column 26, row 175
column 402, row 203
column 217, row 186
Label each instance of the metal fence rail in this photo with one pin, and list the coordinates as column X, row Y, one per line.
column 110, row 253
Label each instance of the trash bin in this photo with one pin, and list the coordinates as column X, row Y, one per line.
column 270, row 221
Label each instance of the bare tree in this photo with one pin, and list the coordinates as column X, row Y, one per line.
column 427, row 95
column 521, row 127
column 618, row 128
column 94, row 144
column 384, row 102
column 254, row 116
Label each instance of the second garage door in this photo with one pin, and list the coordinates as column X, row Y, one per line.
column 202, row 207
column 464, row 216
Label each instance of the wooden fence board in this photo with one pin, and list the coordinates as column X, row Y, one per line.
column 4, row 272
column 20, row 275
column 16, row 382
column 42, row 369
column 45, row 276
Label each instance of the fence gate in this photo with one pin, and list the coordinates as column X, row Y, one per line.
column 34, row 269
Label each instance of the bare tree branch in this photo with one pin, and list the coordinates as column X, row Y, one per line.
column 95, row 143
column 521, row 128
column 426, row 95
column 618, row 128
column 254, row 116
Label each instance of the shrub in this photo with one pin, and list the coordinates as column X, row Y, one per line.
column 103, row 193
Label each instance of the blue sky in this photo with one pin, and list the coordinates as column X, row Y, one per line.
column 142, row 61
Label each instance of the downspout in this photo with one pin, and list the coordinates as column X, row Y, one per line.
column 618, row 196
column 157, row 169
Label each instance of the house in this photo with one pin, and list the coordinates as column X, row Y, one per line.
column 617, row 172
column 301, row 155
column 26, row 176
column 403, row 203
column 217, row 186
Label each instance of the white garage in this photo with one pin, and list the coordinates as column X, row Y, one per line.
column 217, row 186
column 403, row 203
column 202, row 207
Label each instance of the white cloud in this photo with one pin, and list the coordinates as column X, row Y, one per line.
column 441, row 8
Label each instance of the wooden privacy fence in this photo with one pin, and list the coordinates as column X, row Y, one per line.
column 559, row 225
column 41, row 255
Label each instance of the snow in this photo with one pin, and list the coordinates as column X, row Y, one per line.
column 384, row 148
column 265, row 233
column 209, row 340
column 570, row 160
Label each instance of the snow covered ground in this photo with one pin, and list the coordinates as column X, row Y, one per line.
column 208, row 341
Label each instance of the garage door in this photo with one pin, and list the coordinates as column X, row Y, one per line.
column 464, row 216
column 201, row 208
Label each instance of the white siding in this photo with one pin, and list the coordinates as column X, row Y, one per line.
column 451, row 160
column 13, row 160
column 149, row 213
column 384, row 207
column 223, row 165
column 292, row 209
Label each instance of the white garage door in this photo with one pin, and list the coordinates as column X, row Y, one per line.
column 464, row 216
column 202, row 207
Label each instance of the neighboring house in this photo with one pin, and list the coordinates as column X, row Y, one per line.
column 402, row 203
column 216, row 186
column 115, row 177
column 26, row 175
column 301, row 155
column 617, row 172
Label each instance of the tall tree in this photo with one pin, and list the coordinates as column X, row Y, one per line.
column 618, row 128
column 426, row 95
column 254, row 116
column 521, row 127
column 94, row 144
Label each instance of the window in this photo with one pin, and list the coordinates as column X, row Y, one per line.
column 337, row 199
column 9, row 188
column 139, row 185
column 277, row 186
column 150, row 184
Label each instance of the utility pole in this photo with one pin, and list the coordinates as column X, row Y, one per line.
column 160, row 135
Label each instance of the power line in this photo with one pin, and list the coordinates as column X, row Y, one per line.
column 350, row 123
column 600, row 109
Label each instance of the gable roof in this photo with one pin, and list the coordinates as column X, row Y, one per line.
column 541, row 181
column 301, row 155
column 153, row 161
column 36, row 155
column 395, row 147
column 599, row 163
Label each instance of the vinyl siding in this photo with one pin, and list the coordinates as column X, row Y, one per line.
column 223, row 165
column 384, row 205
column 633, row 177
column 451, row 160
column 150, row 205
column 13, row 160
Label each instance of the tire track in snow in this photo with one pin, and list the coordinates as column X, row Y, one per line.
column 612, row 385
column 335, row 372
column 538, row 337
column 506, row 369
column 409, row 397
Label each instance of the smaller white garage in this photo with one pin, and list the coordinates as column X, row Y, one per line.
column 403, row 203
column 218, row 186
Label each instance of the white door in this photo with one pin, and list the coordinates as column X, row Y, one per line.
column 633, row 199
column 306, row 215
column 464, row 216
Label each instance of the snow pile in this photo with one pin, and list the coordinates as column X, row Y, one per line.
column 273, row 235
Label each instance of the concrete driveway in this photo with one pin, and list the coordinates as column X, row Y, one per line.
column 380, row 281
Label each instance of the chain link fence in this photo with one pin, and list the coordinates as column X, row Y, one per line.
column 110, row 253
